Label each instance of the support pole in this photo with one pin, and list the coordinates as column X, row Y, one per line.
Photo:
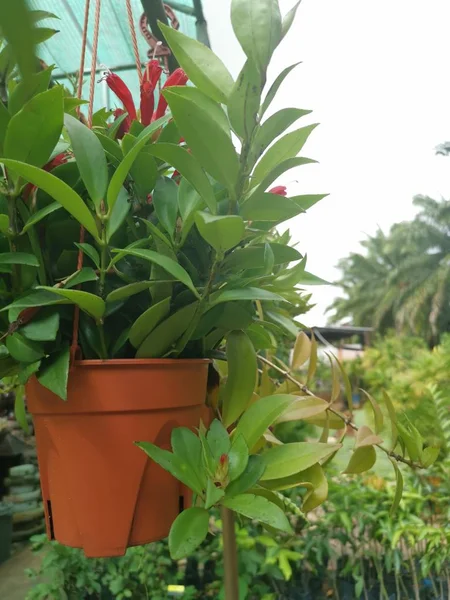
column 231, row 574
column 154, row 11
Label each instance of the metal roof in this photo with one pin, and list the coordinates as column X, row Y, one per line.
column 114, row 50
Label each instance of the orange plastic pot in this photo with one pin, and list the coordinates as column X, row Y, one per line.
column 100, row 492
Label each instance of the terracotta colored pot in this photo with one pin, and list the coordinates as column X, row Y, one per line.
column 100, row 492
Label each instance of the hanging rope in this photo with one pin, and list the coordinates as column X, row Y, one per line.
column 74, row 349
column 134, row 40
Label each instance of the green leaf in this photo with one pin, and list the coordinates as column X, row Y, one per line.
column 222, row 233
column 17, row 29
column 250, row 477
column 393, row 418
column 33, row 132
column 165, row 202
column 274, row 126
column 23, row 350
column 113, row 129
column 38, row 15
column 248, row 293
column 127, row 290
column 161, row 339
column 82, row 276
column 188, row 448
column 112, row 148
column 54, row 372
column 238, row 457
column 282, row 461
column 301, row 352
column 18, row 258
column 218, row 440
column 213, row 494
column 188, row 166
column 251, row 257
column 90, row 157
column 91, row 252
column 257, row 26
column 35, row 298
column 307, row 201
column 361, row 460
column 118, row 214
column 377, row 414
column 289, row 19
column 58, row 190
column 188, row 531
column 214, row 151
column 189, row 200
column 20, row 412
column 120, row 174
column 201, row 65
column 261, row 415
column 42, row 328
column 269, row 207
column 244, row 101
column 42, row 34
column 260, row 509
column 242, row 376
column 304, row 408
column 318, row 493
column 275, row 87
column 25, row 90
column 398, row 487
column 146, row 322
column 4, row 120
column 90, row 303
column 41, row 214
column 286, row 147
column 276, row 173
column 429, row 456
column 165, row 263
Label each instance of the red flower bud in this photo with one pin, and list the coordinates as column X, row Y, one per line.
column 178, row 77
column 279, row 190
column 152, row 75
column 223, row 459
column 119, row 87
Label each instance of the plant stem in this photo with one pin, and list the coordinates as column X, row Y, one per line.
column 231, row 574
column 347, row 421
column 414, row 575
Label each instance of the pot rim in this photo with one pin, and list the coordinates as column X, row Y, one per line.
column 112, row 362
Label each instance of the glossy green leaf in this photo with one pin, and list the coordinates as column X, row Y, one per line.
column 238, row 457
column 35, row 298
column 90, row 303
column 20, row 412
column 161, row 339
column 38, row 15
column 251, row 257
column 274, row 126
column 307, row 201
column 126, row 291
column 17, row 29
column 430, row 455
column 188, row 531
column 58, row 190
column 278, row 171
column 42, row 328
column 324, row 419
column 250, row 476
column 214, row 151
column 261, row 415
column 286, row 147
column 165, row 202
column 18, row 258
column 25, row 90
column 118, row 214
column 304, row 408
column 377, row 414
column 120, row 174
column 260, row 509
column 301, row 351
column 91, row 252
column 275, row 87
column 41, row 214
column 188, row 448
column 257, row 26
column 221, row 232
column 282, row 461
column 218, row 440
column 5, row 117
column 111, row 147
column 289, row 19
column 201, row 65
column 84, row 275
column 33, row 132
column 146, row 322
column 165, row 263
column 244, row 101
column 23, row 350
column 361, row 460
column 42, row 34
column 113, row 129
column 189, row 200
column 90, row 157
column 242, row 376
column 54, row 372
column 392, row 417
column 366, row 437
column 213, row 494
column 312, row 366
column 398, row 487
column 318, row 493
column 269, row 207
column 248, row 293
column 188, row 166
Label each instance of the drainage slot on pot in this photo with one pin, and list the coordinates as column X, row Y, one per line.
column 50, row 520
column 180, row 504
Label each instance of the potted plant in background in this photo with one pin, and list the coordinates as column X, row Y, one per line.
column 164, row 242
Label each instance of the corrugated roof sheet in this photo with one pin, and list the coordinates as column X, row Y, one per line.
column 114, row 49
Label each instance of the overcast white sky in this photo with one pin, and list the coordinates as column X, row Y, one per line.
column 376, row 74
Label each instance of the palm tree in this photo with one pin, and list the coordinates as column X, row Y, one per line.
column 403, row 280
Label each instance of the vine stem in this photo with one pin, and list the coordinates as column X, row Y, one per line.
column 301, row 386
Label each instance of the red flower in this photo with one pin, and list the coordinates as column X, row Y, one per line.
column 152, row 75
column 279, row 190
column 119, row 87
column 178, row 77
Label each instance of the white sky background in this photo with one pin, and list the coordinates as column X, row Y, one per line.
column 377, row 75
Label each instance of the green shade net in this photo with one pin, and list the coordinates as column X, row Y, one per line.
column 115, row 49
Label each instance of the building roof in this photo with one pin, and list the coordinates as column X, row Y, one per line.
column 337, row 333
